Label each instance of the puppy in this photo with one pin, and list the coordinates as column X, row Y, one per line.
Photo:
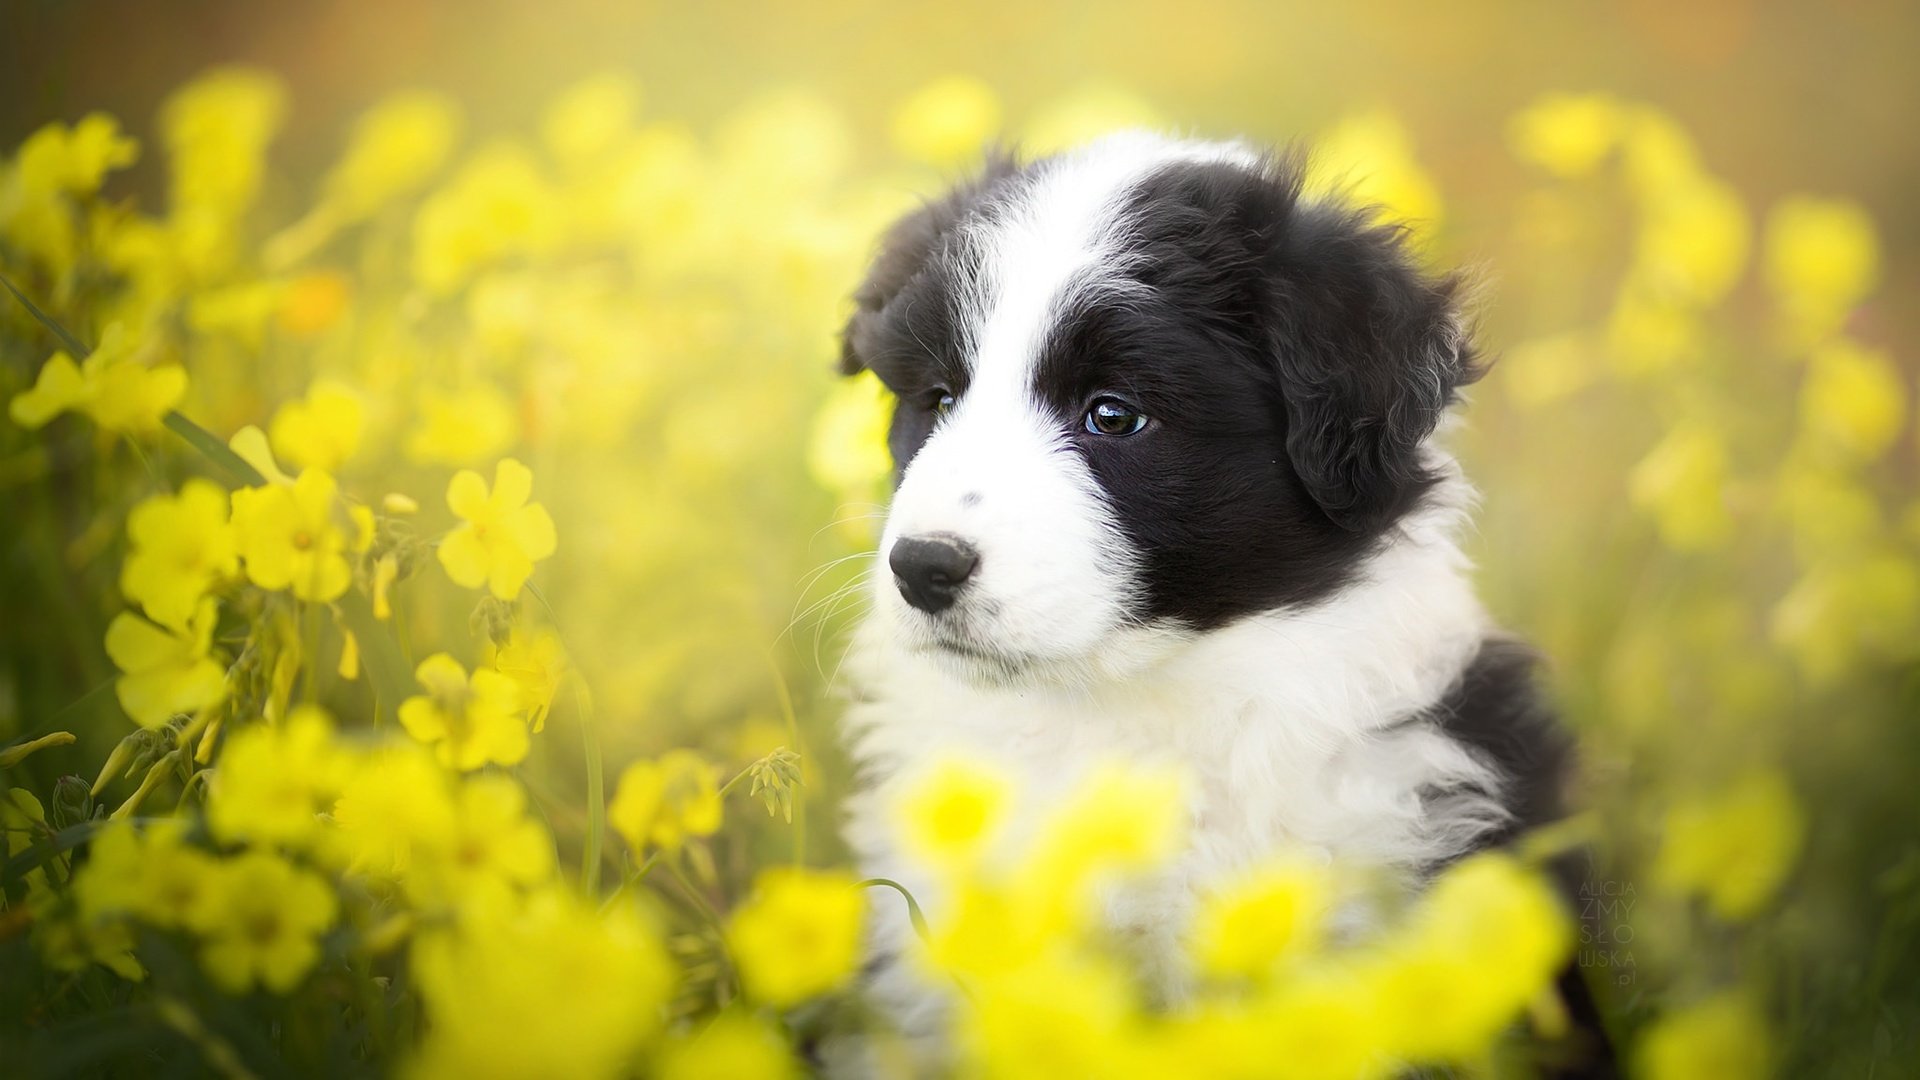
column 1168, row 490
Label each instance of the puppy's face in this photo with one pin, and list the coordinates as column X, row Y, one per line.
column 1143, row 390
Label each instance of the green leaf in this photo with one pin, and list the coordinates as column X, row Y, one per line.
column 71, row 343
column 387, row 670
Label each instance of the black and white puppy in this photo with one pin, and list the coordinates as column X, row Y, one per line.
column 1168, row 491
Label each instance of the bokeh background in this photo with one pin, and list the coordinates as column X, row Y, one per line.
column 1692, row 224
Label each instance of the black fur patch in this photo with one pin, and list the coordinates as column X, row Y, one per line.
column 1497, row 711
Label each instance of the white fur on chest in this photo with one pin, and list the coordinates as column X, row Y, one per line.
column 1290, row 727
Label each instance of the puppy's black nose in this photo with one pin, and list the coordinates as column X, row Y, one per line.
column 930, row 570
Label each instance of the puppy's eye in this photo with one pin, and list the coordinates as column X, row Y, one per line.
column 1111, row 416
column 943, row 404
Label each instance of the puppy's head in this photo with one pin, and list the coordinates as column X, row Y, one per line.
column 1144, row 389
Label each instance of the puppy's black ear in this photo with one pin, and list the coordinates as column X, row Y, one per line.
column 907, row 247
column 1370, row 351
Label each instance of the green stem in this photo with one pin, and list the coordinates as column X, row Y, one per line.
column 627, row 883
column 596, row 788
column 914, row 914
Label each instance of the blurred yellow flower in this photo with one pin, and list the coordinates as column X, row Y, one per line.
column 396, row 802
column 321, row 430
column 74, row 160
column 1568, row 135
column 311, row 303
column 1368, row 159
column 110, row 387
column 272, row 782
column 493, row 845
column 949, row 816
column 217, row 129
column 947, row 122
column 499, row 205
column 1273, row 915
column 1854, row 607
column 734, row 1046
column 664, row 802
column 181, row 547
column 289, row 537
column 536, row 662
column 546, row 989
column 1682, row 483
column 1721, row 1038
column 469, row 722
column 1693, row 243
column 503, row 534
column 394, row 149
column 1327, row 1025
column 1822, row 259
column 1052, row 1015
column 166, row 670
column 1485, row 941
column 1854, row 399
column 268, row 916
column 590, row 118
column 151, row 873
column 1120, row 818
column 461, row 426
column 798, row 935
column 1735, row 846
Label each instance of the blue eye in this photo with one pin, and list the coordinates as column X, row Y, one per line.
column 943, row 404
column 1111, row 416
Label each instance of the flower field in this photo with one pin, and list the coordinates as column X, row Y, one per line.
column 430, row 541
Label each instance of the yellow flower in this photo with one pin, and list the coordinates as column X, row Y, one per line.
column 798, row 935
column 1694, row 241
column 590, row 118
column 498, row 205
column 321, row 430
column 289, row 538
column 217, row 129
column 492, row 845
column 666, row 801
column 18, row 752
column 504, row 535
column 1864, row 605
column 536, row 663
column 395, row 148
column 312, row 302
column 269, row 916
column 1822, row 259
column 469, row 722
column 1264, row 918
column 1722, row 1038
column 1682, row 483
column 1854, row 399
column 463, row 426
column 950, row 815
column 111, row 388
column 1735, row 846
column 1326, row 1026
column 1568, row 135
column 551, row 990
column 166, row 670
column 947, row 122
column 734, row 1046
column 182, row 546
column 397, row 804
column 74, row 160
column 1485, row 941
column 273, row 781
column 1053, row 1015
column 151, row 873
column 1122, row 818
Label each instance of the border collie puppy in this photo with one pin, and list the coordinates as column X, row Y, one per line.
column 1168, row 491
